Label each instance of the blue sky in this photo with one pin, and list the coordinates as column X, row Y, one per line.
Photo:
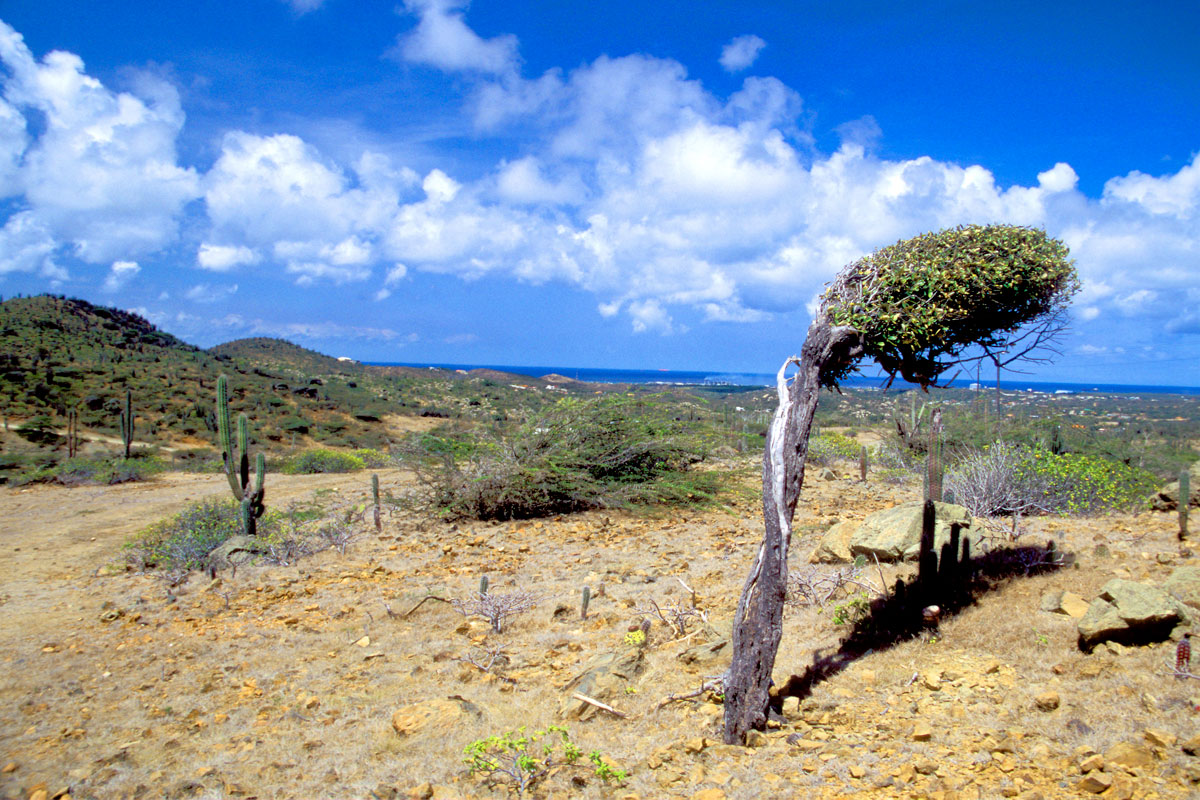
column 639, row 185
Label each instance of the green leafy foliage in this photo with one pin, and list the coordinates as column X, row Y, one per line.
column 183, row 542
column 930, row 297
column 92, row 470
column 315, row 461
column 1081, row 484
column 578, row 454
column 522, row 760
column 1005, row 479
column 826, row 448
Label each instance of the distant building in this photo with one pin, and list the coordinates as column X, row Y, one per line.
column 347, row 358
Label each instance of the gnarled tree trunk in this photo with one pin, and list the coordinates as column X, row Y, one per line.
column 758, row 622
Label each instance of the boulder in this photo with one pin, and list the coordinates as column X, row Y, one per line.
column 834, row 547
column 1068, row 603
column 1184, row 585
column 235, row 551
column 440, row 716
column 1167, row 498
column 894, row 534
column 603, row 678
column 1128, row 612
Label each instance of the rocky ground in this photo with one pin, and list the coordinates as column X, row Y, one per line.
column 330, row 677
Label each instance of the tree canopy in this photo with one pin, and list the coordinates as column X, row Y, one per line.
column 919, row 303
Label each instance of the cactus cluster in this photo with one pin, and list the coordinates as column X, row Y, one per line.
column 237, row 463
column 941, row 577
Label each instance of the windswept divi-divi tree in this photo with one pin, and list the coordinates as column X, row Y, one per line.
column 917, row 307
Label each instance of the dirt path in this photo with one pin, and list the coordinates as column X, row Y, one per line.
column 54, row 539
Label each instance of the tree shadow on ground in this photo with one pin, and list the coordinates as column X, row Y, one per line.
column 950, row 586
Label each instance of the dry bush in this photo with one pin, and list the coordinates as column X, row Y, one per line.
column 497, row 608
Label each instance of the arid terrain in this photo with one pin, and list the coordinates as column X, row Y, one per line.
column 314, row 680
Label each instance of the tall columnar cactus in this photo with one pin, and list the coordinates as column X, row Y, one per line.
column 1185, row 499
column 927, row 557
column 375, row 501
column 483, row 585
column 863, row 461
column 933, row 474
column 72, row 433
column 237, row 467
column 127, row 422
column 583, row 603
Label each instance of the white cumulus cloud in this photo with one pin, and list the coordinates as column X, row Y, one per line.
column 101, row 174
column 443, row 40
column 120, row 274
column 741, row 52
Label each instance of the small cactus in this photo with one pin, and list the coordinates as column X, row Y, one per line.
column 1185, row 499
column 583, row 604
column 483, row 585
column 375, row 500
column 127, row 422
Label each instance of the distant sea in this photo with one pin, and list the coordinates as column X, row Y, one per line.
column 671, row 377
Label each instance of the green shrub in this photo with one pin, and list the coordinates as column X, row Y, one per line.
column 185, row 540
column 1081, row 484
column 315, row 461
column 93, row 471
column 522, row 760
column 826, row 448
column 372, row 458
column 1004, row 479
column 577, row 454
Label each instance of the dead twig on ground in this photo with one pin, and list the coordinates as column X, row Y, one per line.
column 714, row 684
column 422, row 601
column 591, row 701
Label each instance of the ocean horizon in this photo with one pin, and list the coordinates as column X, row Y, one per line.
column 670, row 377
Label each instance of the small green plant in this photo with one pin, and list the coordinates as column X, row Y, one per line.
column 1041, row 638
column 635, row 638
column 851, row 611
column 522, row 760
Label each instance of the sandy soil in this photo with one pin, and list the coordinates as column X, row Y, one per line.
column 312, row 680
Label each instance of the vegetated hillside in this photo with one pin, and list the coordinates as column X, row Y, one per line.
column 61, row 354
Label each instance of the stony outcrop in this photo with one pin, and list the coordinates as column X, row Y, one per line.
column 603, row 678
column 1128, row 612
column 893, row 534
column 1167, row 498
column 1184, row 585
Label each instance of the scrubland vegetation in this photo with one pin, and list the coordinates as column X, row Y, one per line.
column 429, row 633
